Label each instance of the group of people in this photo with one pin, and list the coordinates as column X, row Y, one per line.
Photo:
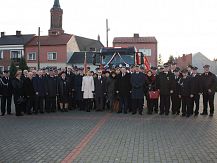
column 121, row 89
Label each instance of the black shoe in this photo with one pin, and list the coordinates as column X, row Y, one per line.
column 183, row 115
column 177, row 113
column 87, row 110
column 140, row 113
column 125, row 112
column 9, row 113
column 149, row 113
column 203, row 113
column 161, row 113
column 188, row 115
column 166, row 114
column 134, row 113
column 173, row 113
column 119, row 112
column 156, row 111
column 196, row 114
column 211, row 114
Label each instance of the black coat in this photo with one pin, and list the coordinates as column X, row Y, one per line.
column 165, row 83
column 138, row 85
column 124, row 84
column 208, row 82
column 111, row 84
column 51, row 86
column 28, row 88
column 100, row 86
column 39, row 84
column 196, row 84
column 63, row 88
column 6, row 86
column 78, row 94
column 17, row 89
column 185, row 86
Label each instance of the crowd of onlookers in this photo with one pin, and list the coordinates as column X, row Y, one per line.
column 122, row 90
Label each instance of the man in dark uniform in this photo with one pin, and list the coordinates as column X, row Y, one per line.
column 165, row 83
column 138, row 90
column 195, row 91
column 123, row 89
column 184, row 93
column 176, row 101
column 155, row 101
column 100, row 90
column 208, row 85
column 51, row 91
column 6, row 93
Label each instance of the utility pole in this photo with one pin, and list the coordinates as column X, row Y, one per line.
column 38, row 48
column 107, row 30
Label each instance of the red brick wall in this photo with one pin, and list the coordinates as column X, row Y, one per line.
column 61, row 53
column 152, row 59
column 184, row 61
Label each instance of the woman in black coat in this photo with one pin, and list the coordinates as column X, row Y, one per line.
column 150, row 85
column 17, row 84
column 63, row 92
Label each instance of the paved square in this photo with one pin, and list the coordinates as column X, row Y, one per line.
column 101, row 137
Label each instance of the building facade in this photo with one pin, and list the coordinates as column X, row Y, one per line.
column 12, row 48
column 147, row 45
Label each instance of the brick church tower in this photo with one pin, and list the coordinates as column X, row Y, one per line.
column 56, row 19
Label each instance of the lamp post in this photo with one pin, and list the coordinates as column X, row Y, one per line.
column 107, row 30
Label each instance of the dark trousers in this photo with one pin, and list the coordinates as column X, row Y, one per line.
column 176, row 103
column 196, row 101
column 150, row 104
column 29, row 104
column 186, row 105
column 18, row 106
column 164, row 104
column 208, row 99
column 51, row 104
column 4, row 100
column 88, row 104
column 155, row 105
column 137, row 105
column 123, row 104
column 39, row 104
column 99, row 101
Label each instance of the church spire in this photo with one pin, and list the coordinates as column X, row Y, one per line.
column 56, row 4
column 56, row 19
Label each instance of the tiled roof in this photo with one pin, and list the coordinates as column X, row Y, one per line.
column 134, row 40
column 15, row 39
column 51, row 40
column 85, row 44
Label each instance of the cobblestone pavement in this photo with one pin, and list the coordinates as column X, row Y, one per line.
column 101, row 137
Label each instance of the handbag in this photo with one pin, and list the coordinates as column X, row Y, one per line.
column 154, row 94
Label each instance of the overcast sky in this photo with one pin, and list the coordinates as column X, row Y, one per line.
column 180, row 26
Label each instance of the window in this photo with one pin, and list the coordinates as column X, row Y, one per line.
column 146, row 52
column 1, row 69
column 16, row 54
column 1, row 54
column 31, row 56
column 52, row 56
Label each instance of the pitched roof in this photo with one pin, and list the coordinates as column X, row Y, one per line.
column 51, row 40
column 15, row 39
column 134, row 40
column 78, row 58
column 85, row 44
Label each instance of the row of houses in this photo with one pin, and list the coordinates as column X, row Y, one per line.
column 59, row 49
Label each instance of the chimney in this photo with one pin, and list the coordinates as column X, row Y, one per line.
column 98, row 37
column 136, row 35
column 18, row 33
column 2, row 34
